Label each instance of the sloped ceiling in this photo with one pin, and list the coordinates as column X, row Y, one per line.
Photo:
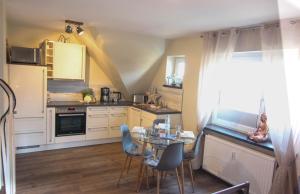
column 163, row 18
column 127, row 37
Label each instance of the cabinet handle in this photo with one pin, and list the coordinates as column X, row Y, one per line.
column 98, row 116
column 43, row 96
column 99, row 128
column 118, row 115
column 51, row 139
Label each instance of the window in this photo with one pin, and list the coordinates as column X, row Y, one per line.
column 175, row 71
column 240, row 92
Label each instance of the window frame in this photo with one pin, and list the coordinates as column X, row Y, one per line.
column 174, row 58
column 236, row 126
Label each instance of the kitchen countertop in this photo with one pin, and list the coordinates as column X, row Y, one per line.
column 161, row 111
column 78, row 103
column 121, row 103
column 239, row 138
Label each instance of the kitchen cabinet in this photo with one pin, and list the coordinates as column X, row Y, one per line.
column 134, row 117
column 97, row 123
column 29, row 83
column 64, row 60
column 117, row 117
column 138, row 117
column 235, row 164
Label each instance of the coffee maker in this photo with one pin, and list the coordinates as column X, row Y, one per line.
column 104, row 94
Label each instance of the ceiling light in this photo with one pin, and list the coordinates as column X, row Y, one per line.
column 69, row 29
column 71, row 23
column 79, row 30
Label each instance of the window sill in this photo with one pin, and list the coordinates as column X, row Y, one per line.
column 172, row 86
column 239, row 138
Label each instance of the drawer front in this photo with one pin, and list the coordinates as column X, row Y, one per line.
column 116, row 120
column 93, row 133
column 97, row 110
column 93, row 122
column 115, row 132
column 30, row 139
column 29, row 125
column 118, row 110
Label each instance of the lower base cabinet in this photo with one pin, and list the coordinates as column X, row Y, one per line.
column 236, row 164
column 30, row 131
column 137, row 117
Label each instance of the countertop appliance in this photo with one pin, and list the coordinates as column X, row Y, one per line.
column 104, row 94
column 25, row 55
column 116, row 96
column 140, row 98
column 70, row 121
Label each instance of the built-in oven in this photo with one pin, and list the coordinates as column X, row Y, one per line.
column 70, row 121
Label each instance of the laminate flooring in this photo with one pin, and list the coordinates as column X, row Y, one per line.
column 92, row 170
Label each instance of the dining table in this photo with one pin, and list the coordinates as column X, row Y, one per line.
column 145, row 137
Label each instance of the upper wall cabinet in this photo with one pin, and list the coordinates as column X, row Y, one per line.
column 64, row 60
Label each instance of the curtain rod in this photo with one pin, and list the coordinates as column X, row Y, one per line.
column 255, row 26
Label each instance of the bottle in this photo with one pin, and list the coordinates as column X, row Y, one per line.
column 168, row 125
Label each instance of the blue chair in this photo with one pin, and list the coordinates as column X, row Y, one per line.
column 192, row 154
column 171, row 159
column 130, row 149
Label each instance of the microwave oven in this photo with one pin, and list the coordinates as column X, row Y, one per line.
column 25, row 55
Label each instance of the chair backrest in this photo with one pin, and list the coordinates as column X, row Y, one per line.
column 126, row 138
column 158, row 121
column 197, row 145
column 171, row 158
column 244, row 188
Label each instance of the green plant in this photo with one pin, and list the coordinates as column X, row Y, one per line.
column 87, row 92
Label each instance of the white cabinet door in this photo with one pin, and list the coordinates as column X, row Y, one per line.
column 236, row 164
column 218, row 157
column 256, row 168
column 134, row 117
column 50, row 125
column 97, row 123
column 30, row 86
column 147, row 119
column 68, row 61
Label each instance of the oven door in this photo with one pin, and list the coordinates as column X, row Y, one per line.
column 70, row 124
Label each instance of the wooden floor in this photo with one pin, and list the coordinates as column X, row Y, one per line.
column 92, row 169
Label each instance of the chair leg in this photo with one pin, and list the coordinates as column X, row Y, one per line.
column 158, row 182
column 191, row 174
column 139, row 175
column 130, row 158
column 147, row 177
column 182, row 177
column 124, row 167
column 178, row 181
column 141, row 178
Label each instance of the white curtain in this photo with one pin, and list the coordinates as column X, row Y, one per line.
column 278, row 109
column 217, row 49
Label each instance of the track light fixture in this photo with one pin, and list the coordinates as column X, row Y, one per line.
column 79, row 30
column 69, row 28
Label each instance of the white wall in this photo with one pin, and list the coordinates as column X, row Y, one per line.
column 191, row 48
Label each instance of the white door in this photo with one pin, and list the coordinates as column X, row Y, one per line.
column 134, row 117
column 29, row 85
column 68, row 61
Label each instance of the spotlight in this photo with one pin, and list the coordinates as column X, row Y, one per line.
column 69, row 29
column 72, row 23
column 79, row 30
